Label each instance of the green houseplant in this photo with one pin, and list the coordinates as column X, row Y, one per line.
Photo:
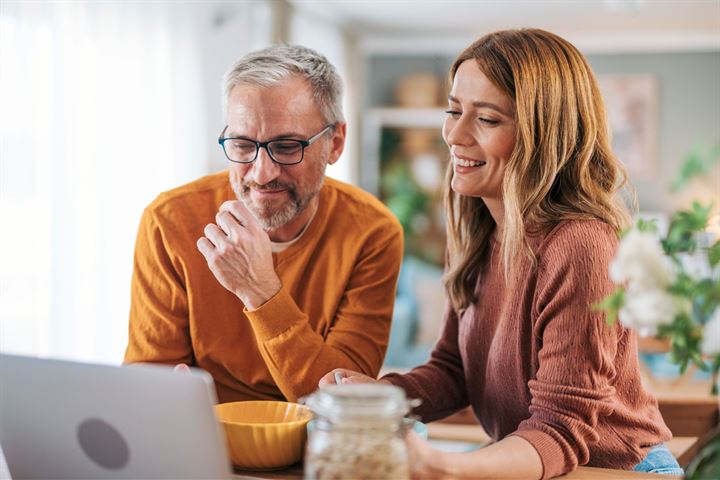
column 668, row 286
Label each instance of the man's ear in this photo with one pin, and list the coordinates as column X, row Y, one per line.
column 337, row 142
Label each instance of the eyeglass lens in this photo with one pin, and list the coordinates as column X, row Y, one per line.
column 283, row 151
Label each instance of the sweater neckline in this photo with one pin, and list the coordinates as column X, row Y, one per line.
column 311, row 230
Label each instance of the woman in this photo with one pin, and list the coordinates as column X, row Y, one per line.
column 533, row 209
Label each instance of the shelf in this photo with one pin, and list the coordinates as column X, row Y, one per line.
column 406, row 117
column 375, row 119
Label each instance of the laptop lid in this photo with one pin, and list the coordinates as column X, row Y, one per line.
column 62, row 419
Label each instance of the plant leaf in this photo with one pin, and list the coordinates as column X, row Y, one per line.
column 714, row 254
column 611, row 304
column 697, row 163
column 644, row 225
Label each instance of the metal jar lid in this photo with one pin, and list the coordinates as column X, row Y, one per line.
column 359, row 401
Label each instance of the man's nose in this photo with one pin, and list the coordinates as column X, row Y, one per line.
column 264, row 169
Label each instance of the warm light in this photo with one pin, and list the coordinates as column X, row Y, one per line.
column 713, row 227
column 92, row 130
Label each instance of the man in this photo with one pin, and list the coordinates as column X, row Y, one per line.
column 272, row 275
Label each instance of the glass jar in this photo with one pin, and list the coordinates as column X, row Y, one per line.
column 358, row 432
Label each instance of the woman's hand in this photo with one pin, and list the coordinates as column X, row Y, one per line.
column 511, row 458
column 344, row 376
column 425, row 461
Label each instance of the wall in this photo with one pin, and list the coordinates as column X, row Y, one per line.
column 227, row 31
column 688, row 116
column 330, row 40
column 384, row 71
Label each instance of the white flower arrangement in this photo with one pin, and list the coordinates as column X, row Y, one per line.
column 670, row 287
column 642, row 266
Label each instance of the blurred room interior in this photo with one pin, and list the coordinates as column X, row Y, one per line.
column 106, row 104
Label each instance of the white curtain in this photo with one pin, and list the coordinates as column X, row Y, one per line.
column 101, row 108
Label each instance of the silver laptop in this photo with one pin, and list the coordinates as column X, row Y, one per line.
column 62, row 419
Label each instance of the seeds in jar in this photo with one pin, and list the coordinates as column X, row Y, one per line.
column 359, row 455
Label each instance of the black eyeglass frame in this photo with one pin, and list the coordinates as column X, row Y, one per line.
column 258, row 145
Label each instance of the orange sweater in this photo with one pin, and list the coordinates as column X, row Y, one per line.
column 534, row 360
column 334, row 308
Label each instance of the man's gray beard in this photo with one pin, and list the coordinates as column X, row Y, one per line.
column 270, row 220
column 294, row 207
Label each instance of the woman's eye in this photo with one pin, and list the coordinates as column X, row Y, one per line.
column 453, row 113
column 488, row 121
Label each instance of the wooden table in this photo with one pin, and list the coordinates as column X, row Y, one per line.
column 582, row 473
column 459, row 429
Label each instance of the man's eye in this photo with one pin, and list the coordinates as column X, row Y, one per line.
column 244, row 147
column 285, row 147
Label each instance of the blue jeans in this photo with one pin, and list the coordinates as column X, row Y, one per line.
column 659, row 460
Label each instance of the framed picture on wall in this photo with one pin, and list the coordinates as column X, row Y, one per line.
column 631, row 102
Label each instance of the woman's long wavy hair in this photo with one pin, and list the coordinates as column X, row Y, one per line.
column 562, row 167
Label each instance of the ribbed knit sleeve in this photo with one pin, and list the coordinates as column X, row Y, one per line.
column 297, row 356
column 573, row 388
column 158, row 329
column 440, row 383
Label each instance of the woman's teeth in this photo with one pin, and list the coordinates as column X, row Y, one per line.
column 467, row 163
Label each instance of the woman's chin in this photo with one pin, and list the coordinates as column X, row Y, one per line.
column 463, row 187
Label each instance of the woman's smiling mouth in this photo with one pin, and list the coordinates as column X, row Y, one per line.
column 466, row 162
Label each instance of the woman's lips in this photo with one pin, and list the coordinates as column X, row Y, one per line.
column 466, row 162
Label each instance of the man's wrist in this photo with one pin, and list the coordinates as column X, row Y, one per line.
column 256, row 299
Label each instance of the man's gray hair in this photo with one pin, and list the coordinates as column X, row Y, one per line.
column 274, row 64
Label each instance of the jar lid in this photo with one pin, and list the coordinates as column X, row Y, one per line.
column 361, row 400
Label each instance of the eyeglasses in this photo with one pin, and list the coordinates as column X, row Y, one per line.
column 285, row 151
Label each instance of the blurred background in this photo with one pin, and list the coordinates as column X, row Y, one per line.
column 105, row 104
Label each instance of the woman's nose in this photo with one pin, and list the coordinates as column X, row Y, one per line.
column 458, row 132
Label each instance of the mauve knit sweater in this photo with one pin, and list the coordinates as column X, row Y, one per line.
column 533, row 359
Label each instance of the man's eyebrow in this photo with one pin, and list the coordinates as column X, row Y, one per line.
column 481, row 105
column 282, row 136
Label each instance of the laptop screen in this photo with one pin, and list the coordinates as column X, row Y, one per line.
column 62, row 419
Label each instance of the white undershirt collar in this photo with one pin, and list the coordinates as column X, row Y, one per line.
column 278, row 247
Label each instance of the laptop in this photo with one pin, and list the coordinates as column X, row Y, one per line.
column 62, row 419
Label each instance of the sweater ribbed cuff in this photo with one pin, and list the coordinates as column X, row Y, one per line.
column 275, row 316
column 551, row 454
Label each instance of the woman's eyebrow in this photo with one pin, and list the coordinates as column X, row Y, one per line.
column 479, row 104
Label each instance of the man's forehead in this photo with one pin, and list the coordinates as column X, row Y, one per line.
column 285, row 109
column 291, row 96
column 259, row 110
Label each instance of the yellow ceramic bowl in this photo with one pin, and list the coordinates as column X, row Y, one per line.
column 264, row 434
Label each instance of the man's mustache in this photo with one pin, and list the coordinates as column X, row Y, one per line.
column 273, row 185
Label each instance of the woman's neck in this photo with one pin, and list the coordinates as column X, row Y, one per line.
column 497, row 212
